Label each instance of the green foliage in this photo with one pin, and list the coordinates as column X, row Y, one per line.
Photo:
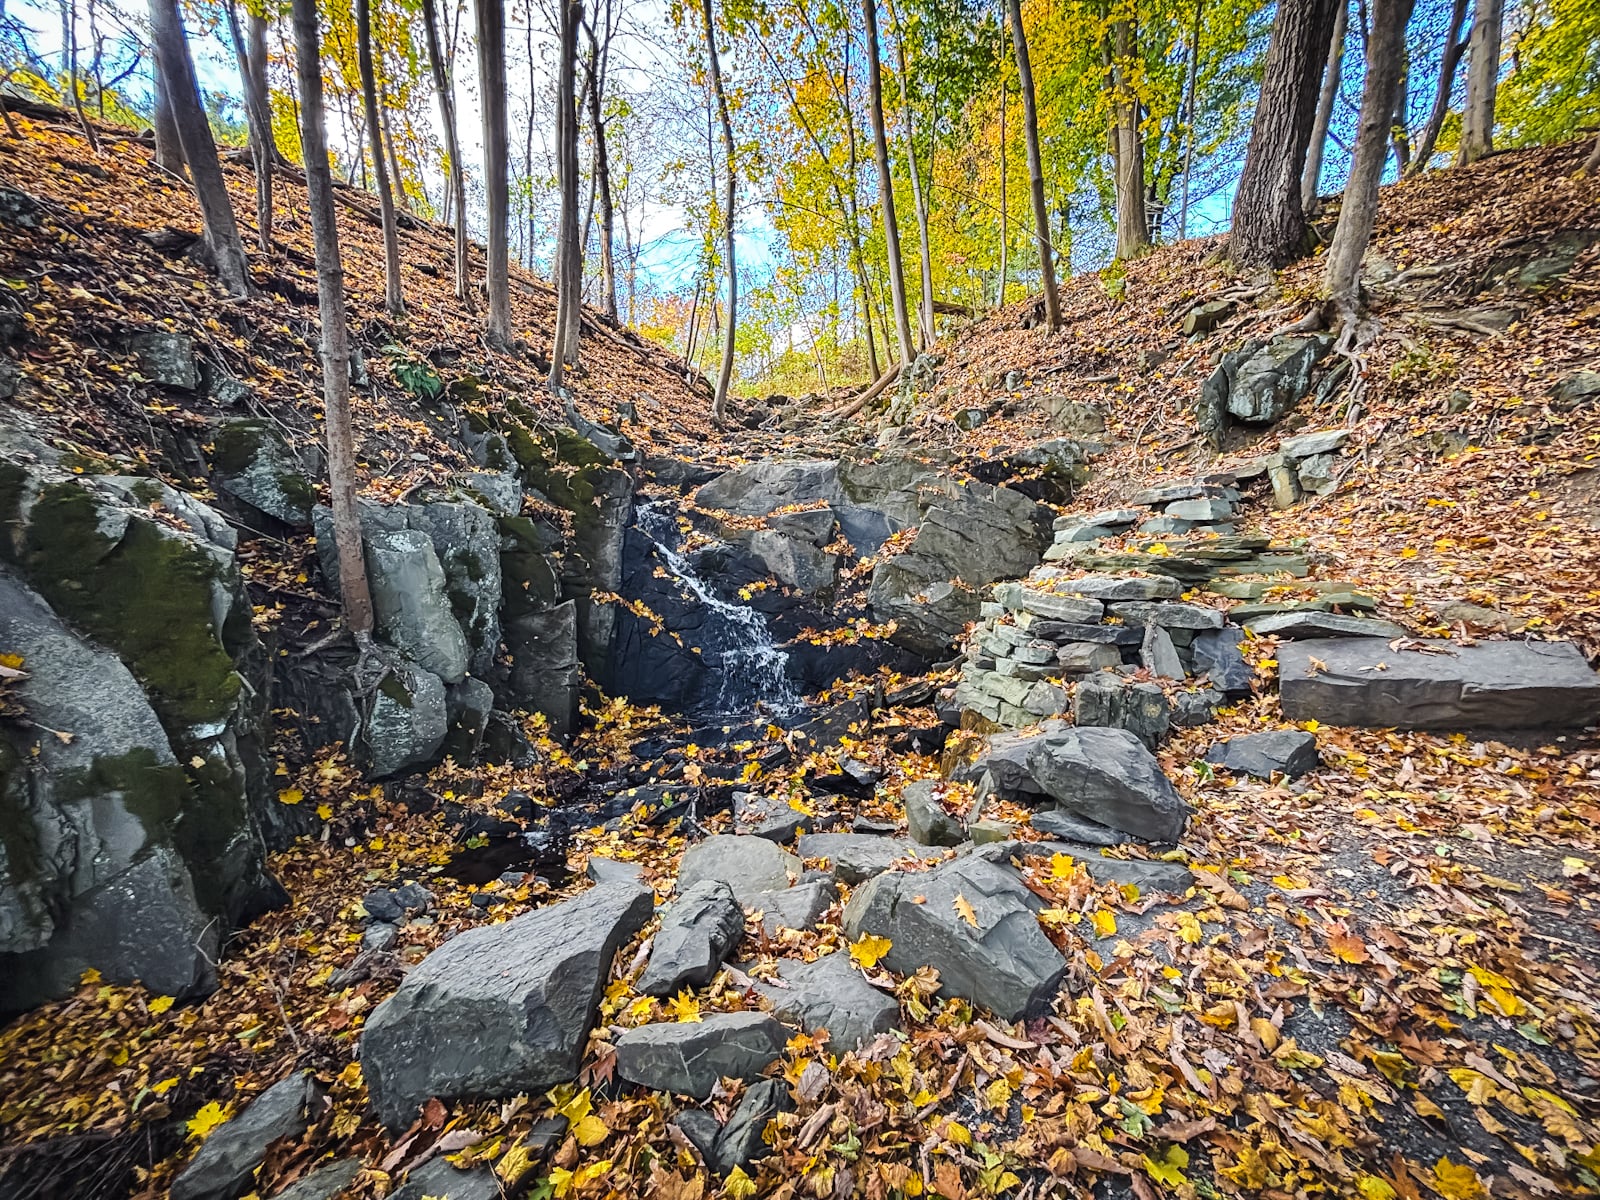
column 414, row 373
column 1554, row 92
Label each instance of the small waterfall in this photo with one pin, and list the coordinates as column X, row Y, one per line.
column 735, row 642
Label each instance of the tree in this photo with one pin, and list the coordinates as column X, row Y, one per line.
column 444, row 88
column 393, row 300
column 491, row 22
column 1386, row 49
column 176, row 78
column 719, row 402
column 599, row 55
column 569, row 251
column 353, row 588
column 1483, row 76
column 1188, row 117
column 919, row 196
column 252, row 56
column 1269, row 227
column 1455, row 45
column 1030, row 130
column 880, row 153
column 1133, row 225
column 1311, row 176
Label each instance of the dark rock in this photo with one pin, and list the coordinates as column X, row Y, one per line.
column 1266, row 381
column 439, row 1179
column 1069, row 631
column 226, row 1162
column 691, row 1057
column 927, row 821
column 1159, row 656
column 1289, row 752
column 703, row 1129
column 467, row 706
column 253, row 463
column 697, row 931
column 768, row 817
column 1217, row 656
column 380, row 936
column 1004, row 760
column 1576, row 390
column 1310, row 445
column 167, row 359
column 1072, row 828
column 1318, row 624
column 1125, row 587
column 1168, row 615
column 326, row 1182
column 748, row 865
column 799, row 907
column 1195, row 707
column 1148, row 875
column 855, row 857
column 1204, row 317
column 1077, row 610
column 743, row 1141
column 756, row 489
column 407, row 722
column 929, row 608
column 543, row 649
column 1108, row 776
column 1106, row 698
column 832, row 994
column 609, row 870
column 381, row 905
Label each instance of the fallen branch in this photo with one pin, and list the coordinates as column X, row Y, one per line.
column 866, row 397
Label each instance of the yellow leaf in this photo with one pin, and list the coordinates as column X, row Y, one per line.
column 14, row 661
column 1374, row 1187
column 1189, row 929
column 1061, row 866
column 325, row 811
column 1170, row 1169
column 291, row 796
column 738, row 1184
column 1456, row 1181
column 1394, row 1066
column 956, row 1132
column 375, row 844
column 963, row 909
column 165, row 1086
column 514, row 1164
column 1348, row 948
column 591, row 1131
column 1266, row 1033
column 89, row 976
column 207, row 1119
column 160, row 1004
column 1105, row 923
column 684, row 1008
column 197, row 762
column 869, row 950
column 351, row 1075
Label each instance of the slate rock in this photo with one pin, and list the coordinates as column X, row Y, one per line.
column 930, row 608
column 225, row 1164
column 1085, row 658
column 1266, row 381
column 441, row 1180
column 408, row 721
column 1289, row 752
column 690, row 1057
column 799, row 907
column 1048, row 604
column 1491, row 685
column 757, row 488
column 1217, row 656
column 984, row 833
column 609, row 870
column 743, row 1140
column 1309, row 445
column 499, row 1009
column 409, row 601
column 1317, row 624
column 1197, row 706
column 167, row 359
column 1205, row 511
column 768, row 817
column 703, row 1129
column 324, row 1183
column 1070, row 827
column 1148, row 875
column 380, row 935
column 1073, row 631
column 1159, row 656
column 748, row 865
column 832, row 994
column 1004, row 760
column 1108, row 776
column 927, row 820
column 1005, row 963
column 1169, row 615
column 856, row 857
column 1579, row 388
column 252, row 462
column 1113, row 700
column 697, row 931
column 1123, row 587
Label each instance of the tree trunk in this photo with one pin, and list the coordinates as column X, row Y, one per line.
column 1030, row 130
column 1591, row 165
column 1188, row 118
column 1385, row 61
column 602, row 185
column 569, row 253
column 1399, row 130
column 1269, row 227
column 169, row 150
column 353, row 590
column 393, row 301
column 1133, row 224
column 491, row 22
column 1454, row 47
column 919, row 199
column 880, row 155
column 1483, row 74
column 1005, row 231
column 1311, row 177
column 397, row 179
column 194, row 135
column 444, row 87
column 262, row 149
column 719, row 403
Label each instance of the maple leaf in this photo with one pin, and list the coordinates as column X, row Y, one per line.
column 291, row 796
column 869, row 949
column 1105, row 923
column 1346, row 947
column 963, row 909
column 738, row 1185
column 684, row 1008
column 160, row 1004
column 1169, row 1170
column 1456, row 1181
column 208, row 1118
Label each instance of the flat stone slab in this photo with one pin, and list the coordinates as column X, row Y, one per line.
column 1303, row 624
column 1124, row 587
column 1170, row 615
column 1491, row 685
column 799, row 907
column 1290, row 752
column 689, row 1057
column 857, row 857
column 749, row 865
column 832, row 994
column 227, row 1160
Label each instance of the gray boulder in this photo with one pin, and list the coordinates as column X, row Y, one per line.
column 225, row 1165
column 1312, row 623
column 408, row 721
column 1070, row 827
column 799, row 907
column 167, row 359
column 252, row 462
column 856, row 857
column 1159, row 656
column 1170, row 615
column 1289, row 752
column 1266, row 381
column 929, row 608
column 1106, row 698
column 1108, row 776
column 1004, row 761
column 324, row 1183
column 926, row 818
column 440, row 1179
column 1217, row 656
column 748, row 865
column 466, row 541
column 743, row 1141
column 1004, row 962
column 1191, row 707
column 697, row 931
column 499, row 1009
column 1123, row 587
column 691, row 1057
column 832, row 994
column 757, row 488
column 544, row 675
column 1021, row 598
column 1490, row 685
column 409, row 602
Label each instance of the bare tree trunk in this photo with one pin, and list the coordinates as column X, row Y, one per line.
column 880, row 154
column 353, row 590
column 1591, row 165
column 73, row 85
column 719, row 403
column 397, row 179
column 1269, row 227
column 1005, row 230
column 1311, row 177
column 919, row 198
column 1455, row 46
column 444, row 87
column 491, row 23
column 1385, row 60
column 569, row 252
column 194, row 134
column 1030, row 130
column 1483, row 74
column 1188, row 117
column 393, row 301
column 263, row 151
column 1399, row 130
column 169, row 150
column 1133, row 224
column 602, row 177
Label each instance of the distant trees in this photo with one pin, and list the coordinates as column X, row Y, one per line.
column 1030, row 129
column 1311, row 174
column 880, row 154
column 251, row 51
column 444, row 90
column 393, row 300
column 569, row 250
column 719, row 401
column 1455, row 46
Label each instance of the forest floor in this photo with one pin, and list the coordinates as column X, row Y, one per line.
column 1385, row 984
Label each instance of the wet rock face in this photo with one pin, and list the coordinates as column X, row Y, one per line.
column 252, row 463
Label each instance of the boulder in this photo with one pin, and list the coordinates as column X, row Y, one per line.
column 1159, row 656
column 760, row 487
column 1108, row 776
column 167, row 359
column 1070, row 827
column 252, row 462
column 769, row 817
column 467, row 706
column 1309, row 445
column 499, row 1009
column 1169, row 615
column 792, row 551
column 1020, row 598
column 1123, row 587
column 1266, row 381
column 1004, row 761
column 1106, row 698
column 697, row 931
column 743, row 1140
column 466, row 541
column 609, row 870
column 543, row 649
column 409, row 602
column 1576, row 390
column 691, row 1057
column 927, row 820
column 748, row 865
column 1194, row 706
column 832, row 994
column 324, row 1183
column 408, row 720
column 1217, row 656
column 1148, row 875
column 1003, row 962
column 799, row 907
column 1314, row 623
column 930, row 610
column 440, row 1179
column 1288, row 752
column 1490, row 685
column 855, row 857
column 226, row 1162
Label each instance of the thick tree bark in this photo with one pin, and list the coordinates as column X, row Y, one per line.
column 353, row 590
column 1188, row 117
column 880, row 155
column 169, row 150
column 1133, row 224
column 194, row 135
column 1483, row 75
column 719, row 402
column 602, row 178
column 1030, row 130
column 444, row 88
column 1311, row 176
column 1455, row 46
column 1386, row 48
column 393, row 300
column 569, row 252
column 491, row 23
column 1269, row 227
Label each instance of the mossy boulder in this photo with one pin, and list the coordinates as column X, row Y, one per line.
column 253, row 463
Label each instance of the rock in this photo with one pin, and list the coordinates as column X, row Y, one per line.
column 758, row 488
column 978, row 533
column 1491, row 685
column 1131, row 587
column 609, row 870
column 968, row 419
column 326, row 1182
column 167, row 359
column 743, row 1141
column 767, row 817
column 984, row 833
column 1004, row 760
column 1204, row 511
column 1217, row 656
column 499, row 492
column 1285, row 482
column 855, row 857
column 380, row 935
column 1075, row 417
column 799, row 907
column 1316, row 474
column 1288, row 752
column 1314, row 623
column 1169, row 615
column 467, row 706
column 1083, row 658
column 832, row 994
column 252, row 462
column 499, row 1009
column 1576, row 390
column 1195, row 707
column 466, row 540
column 697, row 931
column 409, row 602
column 791, row 549
column 1159, row 656
column 1108, row 776
column 1265, row 382
column 441, row 1180
column 1309, row 445
column 703, row 1129
column 1004, row 962
column 544, row 675
column 1145, row 874
column 1203, row 318
column 927, row 820
column 1020, row 598
column 748, row 865
column 1072, row 828
column 1476, row 616
column 930, row 609
column 1105, row 698
column 226, row 1162
column 691, row 1057
column 408, row 721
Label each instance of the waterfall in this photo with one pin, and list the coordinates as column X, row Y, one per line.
column 734, row 643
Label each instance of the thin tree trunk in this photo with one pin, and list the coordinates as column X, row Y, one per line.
column 397, row 180
column 353, row 588
column 194, row 134
column 1385, row 61
column 880, row 153
column 1030, row 130
column 262, row 149
column 1399, row 130
column 719, row 403
column 1311, row 176
column 1455, row 46
column 72, row 78
column 444, row 87
column 1133, row 224
column 919, row 198
column 1483, row 74
column 1188, row 117
column 602, row 187
column 491, row 25
column 569, row 252
column 1591, row 165
column 393, row 301
column 1005, row 231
